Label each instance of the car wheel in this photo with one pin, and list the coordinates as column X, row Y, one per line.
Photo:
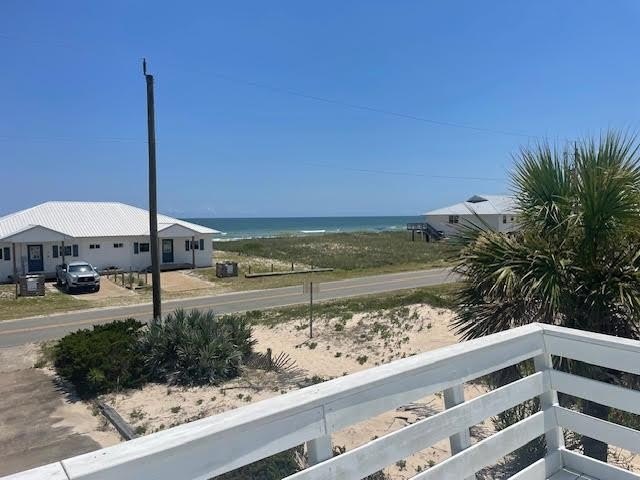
column 58, row 282
column 96, row 289
column 67, row 288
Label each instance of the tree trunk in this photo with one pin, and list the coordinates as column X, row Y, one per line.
column 595, row 448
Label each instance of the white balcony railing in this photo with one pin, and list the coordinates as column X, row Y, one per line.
column 221, row 443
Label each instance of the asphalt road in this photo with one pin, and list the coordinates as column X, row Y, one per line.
column 36, row 329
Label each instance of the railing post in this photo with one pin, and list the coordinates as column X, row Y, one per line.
column 319, row 449
column 462, row 440
column 554, row 437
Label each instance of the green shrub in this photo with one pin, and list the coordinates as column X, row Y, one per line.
column 195, row 348
column 100, row 360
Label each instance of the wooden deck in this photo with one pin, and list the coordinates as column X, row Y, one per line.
column 221, row 443
column 425, row 230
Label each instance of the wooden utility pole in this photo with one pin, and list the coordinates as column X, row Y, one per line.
column 153, row 197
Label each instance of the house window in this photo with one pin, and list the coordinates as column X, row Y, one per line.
column 504, row 219
column 136, row 248
column 202, row 244
column 7, row 253
column 75, row 250
column 187, row 244
column 511, row 219
column 117, row 245
column 54, row 251
column 67, row 251
column 195, row 245
column 0, row 254
column 454, row 218
column 94, row 246
column 144, row 247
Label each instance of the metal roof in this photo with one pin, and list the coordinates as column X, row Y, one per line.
column 481, row 205
column 90, row 219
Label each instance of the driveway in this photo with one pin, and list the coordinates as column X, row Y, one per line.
column 40, row 424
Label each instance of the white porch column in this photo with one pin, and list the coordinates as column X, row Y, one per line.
column 15, row 269
column 193, row 252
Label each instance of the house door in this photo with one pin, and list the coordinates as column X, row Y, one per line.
column 167, row 250
column 34, row 257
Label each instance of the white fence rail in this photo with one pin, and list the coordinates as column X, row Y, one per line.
column 218, row 444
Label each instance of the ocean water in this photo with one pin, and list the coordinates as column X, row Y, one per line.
column 237, row 228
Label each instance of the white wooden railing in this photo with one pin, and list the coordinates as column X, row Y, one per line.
column 221, row 443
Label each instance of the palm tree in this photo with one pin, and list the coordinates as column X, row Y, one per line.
column 575, row 261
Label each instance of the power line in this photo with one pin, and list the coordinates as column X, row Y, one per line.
column 30, row 41
column 295, row 93
column 319, row 99
column 403, row 174
column 356, row 106
column 313, row 164
column 70, row 139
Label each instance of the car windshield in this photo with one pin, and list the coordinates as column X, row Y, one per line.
column 80, row 268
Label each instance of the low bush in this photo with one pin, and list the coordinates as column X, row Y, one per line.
column 195, row 348
column 100, row 360
column 188, row 348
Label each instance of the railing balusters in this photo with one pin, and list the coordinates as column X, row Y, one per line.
column 319, row 449
column 462, row 440
column 311, row 416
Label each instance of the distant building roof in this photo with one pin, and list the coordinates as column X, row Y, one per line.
column 480, row 204
column 90, row 219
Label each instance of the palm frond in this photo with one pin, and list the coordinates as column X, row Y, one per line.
column 575, row 260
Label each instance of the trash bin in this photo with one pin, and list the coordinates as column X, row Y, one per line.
column 31, row 285
column 226, row 269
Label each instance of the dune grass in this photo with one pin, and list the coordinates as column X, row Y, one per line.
column 349, row 254
column 440, row 296
column 347, row 251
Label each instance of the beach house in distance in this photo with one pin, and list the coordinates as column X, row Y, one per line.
column 105, row 234
column 498, row 212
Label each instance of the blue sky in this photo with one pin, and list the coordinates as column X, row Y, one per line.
column 232, row 143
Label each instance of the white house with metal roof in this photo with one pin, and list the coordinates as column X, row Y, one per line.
column 105, row 234
column 498, row 212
